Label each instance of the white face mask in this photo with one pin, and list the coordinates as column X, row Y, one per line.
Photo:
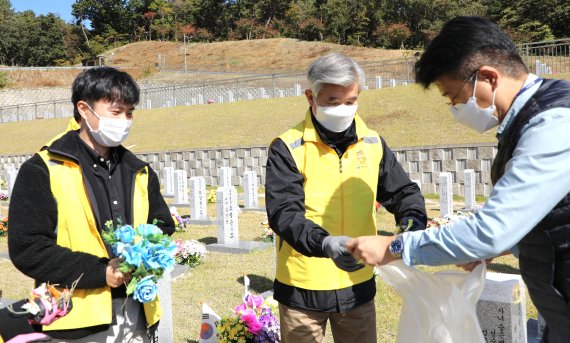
column 475, row 117
column 112, row 132
column 336, row 118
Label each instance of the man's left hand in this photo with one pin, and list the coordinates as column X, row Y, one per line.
column 373, row 250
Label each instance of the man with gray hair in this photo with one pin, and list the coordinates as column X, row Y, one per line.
column 324, row 177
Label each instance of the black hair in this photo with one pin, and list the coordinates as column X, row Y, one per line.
column 463, row 45
column 103, row 83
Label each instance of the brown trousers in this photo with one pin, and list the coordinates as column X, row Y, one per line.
column 304, row 326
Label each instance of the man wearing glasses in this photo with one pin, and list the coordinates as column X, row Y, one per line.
column 475, row 65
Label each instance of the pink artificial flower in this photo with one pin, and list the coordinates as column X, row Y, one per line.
column 254, row 301
column 250, row 319
column 240, row 308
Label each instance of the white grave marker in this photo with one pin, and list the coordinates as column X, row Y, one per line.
column 445, row 194
column 225, row 177
column 250, row 190
column 469, row 188
column 392, row 82
column 11, row 178
column 198, row 198
column 180, row 187
column 298, row 90
column 168, row 181
column 227, row 215
column 378, row 82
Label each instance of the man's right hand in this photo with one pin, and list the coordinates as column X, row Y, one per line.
column 114, row 276
column 334, row 247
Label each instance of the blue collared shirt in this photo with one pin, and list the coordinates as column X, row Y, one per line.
column 535, row 180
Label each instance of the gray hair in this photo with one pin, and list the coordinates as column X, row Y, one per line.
column 336, row 69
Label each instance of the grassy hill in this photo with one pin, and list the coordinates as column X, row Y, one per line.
column 404, row 116
column 258, row 55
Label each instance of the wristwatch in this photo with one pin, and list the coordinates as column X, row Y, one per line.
column 397, row 246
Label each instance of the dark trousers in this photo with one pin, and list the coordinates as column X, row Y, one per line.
column 546, row 272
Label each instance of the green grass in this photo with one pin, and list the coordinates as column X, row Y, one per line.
column 404, row 116
column 218, row 281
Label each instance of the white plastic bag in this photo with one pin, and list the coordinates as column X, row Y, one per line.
column 438, row 307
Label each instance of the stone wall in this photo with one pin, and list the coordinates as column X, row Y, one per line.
column 421, row 163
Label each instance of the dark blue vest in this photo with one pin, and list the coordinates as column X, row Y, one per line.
column 545, row 251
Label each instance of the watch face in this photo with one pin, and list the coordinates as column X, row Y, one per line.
column 396, row 246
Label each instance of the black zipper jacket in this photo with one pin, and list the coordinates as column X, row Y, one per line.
column 33, row 217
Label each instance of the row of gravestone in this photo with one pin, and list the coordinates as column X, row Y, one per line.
column 192, row 191
column 446, row 193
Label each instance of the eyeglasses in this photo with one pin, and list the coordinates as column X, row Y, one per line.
column 469, row 79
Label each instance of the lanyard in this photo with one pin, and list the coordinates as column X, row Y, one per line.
column 528, row 86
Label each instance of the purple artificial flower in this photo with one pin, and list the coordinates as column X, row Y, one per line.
column 254, row 301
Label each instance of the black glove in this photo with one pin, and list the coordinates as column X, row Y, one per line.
column 335, row 248
column 411, row 223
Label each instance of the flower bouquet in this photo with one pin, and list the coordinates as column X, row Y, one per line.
column 3, row 195
column 147, row 253
column 211, row 198
column 189, row 252
column 253, row 321
column 179, row 221
column 458, row 216
column 3, row 226
column 268, row 235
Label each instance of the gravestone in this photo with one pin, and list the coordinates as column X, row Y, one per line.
column 378, row 82
column 227, row 214
column 168, row 181
column 445, row 194
column 262, row 93
column 298, row 90
column 281, row 93
column 502, row 308
column 227, row 221
column 225, row 177
column 165, row 327
column 231, row 96
column 180, row 187
column 198, row 211
column 249, row 96
column 11, row 179
column 250, row 200
column 469, row 189
column 392, row 82
column 148, row 104
column 201, row 99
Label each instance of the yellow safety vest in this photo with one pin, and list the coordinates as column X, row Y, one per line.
column 77, row 230
column 340, row 196
column 72, row 125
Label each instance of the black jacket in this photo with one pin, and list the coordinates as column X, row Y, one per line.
column 33, row 217
column 285, row 203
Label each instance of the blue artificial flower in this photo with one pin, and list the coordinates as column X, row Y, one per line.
column 164, row 259
column 118, row 248
column 132, row 254
column 147, row 230
column 146, row 290
column 125, row 234
column 149, row 257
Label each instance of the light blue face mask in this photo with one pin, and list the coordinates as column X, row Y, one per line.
column 475, row 117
